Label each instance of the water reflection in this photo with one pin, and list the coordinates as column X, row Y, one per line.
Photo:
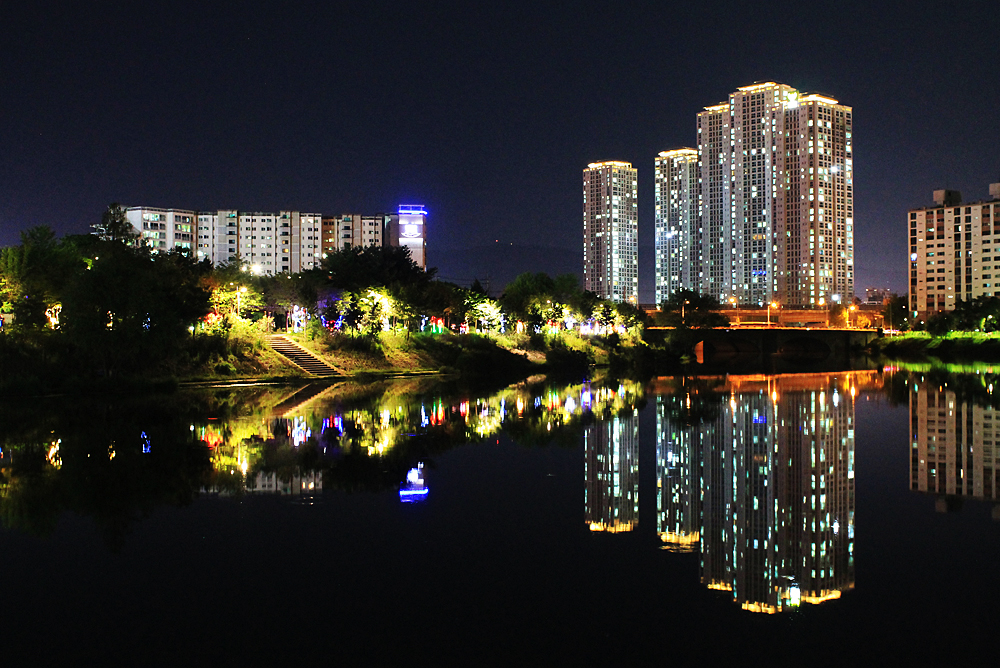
column 757, row 473
column 955, row 437
column 611, row 471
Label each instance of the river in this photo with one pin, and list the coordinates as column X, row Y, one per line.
column 778, row 518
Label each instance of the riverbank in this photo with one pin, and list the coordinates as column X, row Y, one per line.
column 43, row 364
column 952, row 347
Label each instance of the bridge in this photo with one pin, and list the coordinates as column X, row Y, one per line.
column 784, row 347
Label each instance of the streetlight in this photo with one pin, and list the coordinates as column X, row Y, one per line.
column 769, row 307
column 851, row 309
column 686, row 302
column 239, row 293
column 736, row 305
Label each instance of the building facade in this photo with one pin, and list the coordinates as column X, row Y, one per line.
column 775, row 216
column 677, row 235
column 406, row 228
column 276, row 242
column 954, row 251
column 611, row 231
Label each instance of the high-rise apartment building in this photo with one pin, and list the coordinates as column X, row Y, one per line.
column 611, row 231
column 677, row 238
column 954, row 251
column 775, row 216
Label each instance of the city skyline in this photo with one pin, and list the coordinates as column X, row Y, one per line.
column 763, row 210
column 484, row 114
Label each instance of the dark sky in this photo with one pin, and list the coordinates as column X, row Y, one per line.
column 485, row 112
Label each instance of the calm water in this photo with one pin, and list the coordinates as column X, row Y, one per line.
column 814, row 517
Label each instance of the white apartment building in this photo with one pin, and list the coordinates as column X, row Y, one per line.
column 406, row 228
column 775, row 199
column 677, row 241
column 611, row 231
column 954, row 251
column 270, row 243
column 164, row 229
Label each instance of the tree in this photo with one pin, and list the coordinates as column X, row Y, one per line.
column 114, row 226
column 359, row 268
column 686, row 309
column 896, row 312
column 130, row 309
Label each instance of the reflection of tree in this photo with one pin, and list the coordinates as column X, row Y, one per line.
column 694, row 401
column 116, row 461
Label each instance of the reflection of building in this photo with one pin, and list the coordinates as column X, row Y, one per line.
column 953, row 445
column 611, row 231
column 940, row 277
column 611, row 472
column 769, row 475
column 302, row 483
column 678, row 473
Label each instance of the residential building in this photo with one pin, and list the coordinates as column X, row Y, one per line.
column 954, row 251
column 775, row 217
column 276, row 242
column 611, row 231
column 164, row 229
column 677, row 236
column 405, row 228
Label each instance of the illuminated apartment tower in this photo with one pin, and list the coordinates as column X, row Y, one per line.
column 954, row 445
column 611, row 231
column 678, row 262
column 611, row 474
column 776, row 202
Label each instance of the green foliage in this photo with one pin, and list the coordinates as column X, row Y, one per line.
column 358, row 268
column 130, row 309
column 896, row 313
column 687, row 309
column 114, row 226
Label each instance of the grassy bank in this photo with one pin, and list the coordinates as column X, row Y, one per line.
column 952, row 347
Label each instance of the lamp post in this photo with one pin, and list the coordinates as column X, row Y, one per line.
column 850, row 310
column 770, row 306
column 736, row 305
column 686, row 302
column 239, row 294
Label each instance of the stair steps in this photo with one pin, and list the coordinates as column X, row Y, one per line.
column 300, row 357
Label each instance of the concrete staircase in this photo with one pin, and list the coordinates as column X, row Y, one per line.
column 301, row 357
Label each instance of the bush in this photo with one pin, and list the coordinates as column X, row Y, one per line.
column 225, row 369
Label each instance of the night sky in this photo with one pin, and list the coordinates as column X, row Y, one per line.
column 485, row 112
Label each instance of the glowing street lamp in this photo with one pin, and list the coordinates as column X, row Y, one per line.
column 239, row 294
column 772, row 305
column 851, row 310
